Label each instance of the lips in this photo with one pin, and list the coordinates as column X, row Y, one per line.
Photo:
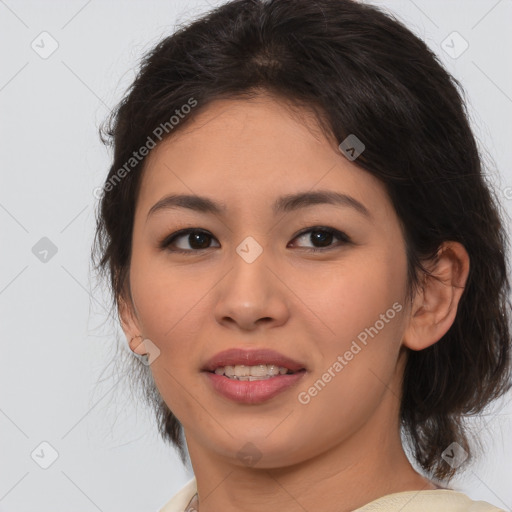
column 234, row 357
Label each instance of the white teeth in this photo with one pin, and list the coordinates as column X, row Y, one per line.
column 257, row 372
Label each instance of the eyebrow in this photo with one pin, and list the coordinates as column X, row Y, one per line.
column 283, row 204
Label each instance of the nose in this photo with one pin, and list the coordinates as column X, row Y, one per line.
column 252, row 295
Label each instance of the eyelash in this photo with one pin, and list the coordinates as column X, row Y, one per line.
column 168, row 240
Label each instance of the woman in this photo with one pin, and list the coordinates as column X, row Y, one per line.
column 306, row 260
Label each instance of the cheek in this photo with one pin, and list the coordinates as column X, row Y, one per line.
column 170, row 308
column 365, row 311
column 358, row 291
column 169, row 302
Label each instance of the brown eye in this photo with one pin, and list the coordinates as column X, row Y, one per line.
column 322, row 237
column 196, row 239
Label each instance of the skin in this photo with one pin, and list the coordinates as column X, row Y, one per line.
column 342, row 449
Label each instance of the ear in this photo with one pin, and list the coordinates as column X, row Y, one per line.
column 435, row 305
column 130, row 326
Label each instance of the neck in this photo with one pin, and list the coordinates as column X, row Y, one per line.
column 293, row 490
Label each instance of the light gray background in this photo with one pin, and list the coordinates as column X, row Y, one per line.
column 55, row 335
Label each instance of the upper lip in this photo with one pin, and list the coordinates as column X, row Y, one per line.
column 239, row 356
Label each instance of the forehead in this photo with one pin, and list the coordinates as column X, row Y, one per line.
column 248, row 126
column 239, row 149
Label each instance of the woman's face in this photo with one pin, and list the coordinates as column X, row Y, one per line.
column 249, row 280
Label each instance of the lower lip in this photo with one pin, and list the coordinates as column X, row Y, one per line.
column 255, row 391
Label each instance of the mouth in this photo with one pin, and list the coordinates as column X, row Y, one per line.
column 256, row 372
column 237, row 374
column 259, row 363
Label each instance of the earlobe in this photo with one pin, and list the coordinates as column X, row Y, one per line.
column 435, row 304
column 137, row 345
column 130, row 327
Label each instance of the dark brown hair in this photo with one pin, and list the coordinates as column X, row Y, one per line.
column 363, row 73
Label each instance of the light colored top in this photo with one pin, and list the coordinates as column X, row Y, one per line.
column 438, row 500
